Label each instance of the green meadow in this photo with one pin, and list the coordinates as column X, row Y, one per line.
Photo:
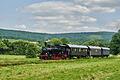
column 21, row 68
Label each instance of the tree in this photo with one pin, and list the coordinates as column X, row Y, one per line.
column 3, row 48
column 32, row 50
column 0, row 36
column 55, row 41
column 97, row 42
column 25, row 48
column 19, row 47
column 64, row 41
column 115, row 44
column 7, row 43
column 2, row 45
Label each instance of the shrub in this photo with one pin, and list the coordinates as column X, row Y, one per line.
column 3, row 47
column 25, row 48
column 32, row 50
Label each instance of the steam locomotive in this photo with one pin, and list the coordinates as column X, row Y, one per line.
column 69, row 51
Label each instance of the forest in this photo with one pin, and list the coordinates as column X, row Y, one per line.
column 74, row 37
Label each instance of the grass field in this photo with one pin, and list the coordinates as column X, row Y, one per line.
column 20, row 68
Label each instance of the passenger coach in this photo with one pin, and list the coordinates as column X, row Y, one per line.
column 94, row 51
column 77, row 51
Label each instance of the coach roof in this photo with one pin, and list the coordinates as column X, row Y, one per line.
column 76, row 46
column 105, row 48
column 94, row 47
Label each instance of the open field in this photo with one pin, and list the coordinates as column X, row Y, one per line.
column 20, row 68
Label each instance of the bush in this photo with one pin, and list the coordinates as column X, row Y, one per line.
column 2, row 45
column 3, row 48
column 32, row 50
column 25, row 48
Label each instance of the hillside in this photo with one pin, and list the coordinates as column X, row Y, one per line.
column 84, row 36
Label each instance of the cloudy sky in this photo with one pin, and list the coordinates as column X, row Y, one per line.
column 60, row 16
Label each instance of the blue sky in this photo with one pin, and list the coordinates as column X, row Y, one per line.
column 60, row 16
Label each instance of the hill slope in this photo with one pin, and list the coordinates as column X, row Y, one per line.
column 84, row 36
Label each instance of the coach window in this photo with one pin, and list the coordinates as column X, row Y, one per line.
column 79, row 50
column 96, row 50
column 75, row 50
column 82, row 50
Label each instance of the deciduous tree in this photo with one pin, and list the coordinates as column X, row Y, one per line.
column 115, row 43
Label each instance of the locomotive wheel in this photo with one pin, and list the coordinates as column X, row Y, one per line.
column 56, row 57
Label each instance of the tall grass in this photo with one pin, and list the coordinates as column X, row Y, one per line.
column 76, row 69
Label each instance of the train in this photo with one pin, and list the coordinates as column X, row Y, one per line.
column 69, row 51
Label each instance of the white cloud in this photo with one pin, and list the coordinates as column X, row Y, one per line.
column 97, row 1
column 102, row 6
column 21, row 26
column 59, row 29
column 64, row 19
column 114, row 25
column 88, row 19
column 103, row 9
column 70, row 15
column 84, row 6
column 56, row 6
column 48, row 17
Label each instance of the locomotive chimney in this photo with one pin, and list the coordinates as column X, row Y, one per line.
column 46, row 43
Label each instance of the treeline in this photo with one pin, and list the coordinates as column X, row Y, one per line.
column 95, row 42
column 73, row 37
column 32, row 49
